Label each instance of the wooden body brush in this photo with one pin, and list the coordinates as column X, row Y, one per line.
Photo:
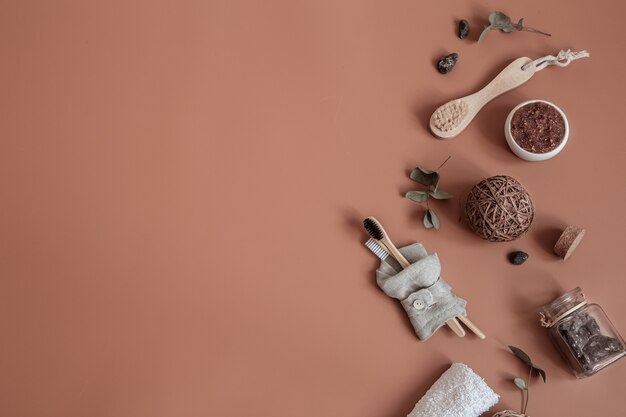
column 376, row 231
column 453, row 117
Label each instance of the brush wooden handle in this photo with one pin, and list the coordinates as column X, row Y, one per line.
column 393, row 251
column 455, row 326
column 509, row 78
column 472, row 326
column 453, row 117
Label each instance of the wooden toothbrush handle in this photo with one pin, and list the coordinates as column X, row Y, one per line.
column 396, row 253
column 454, row 325
column 510, row 77
column 471, row 326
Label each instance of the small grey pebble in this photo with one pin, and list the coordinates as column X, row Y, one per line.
column 464, row 29
column 518, row 258
column 447, row 63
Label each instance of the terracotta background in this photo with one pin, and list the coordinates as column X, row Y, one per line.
column 182, row 185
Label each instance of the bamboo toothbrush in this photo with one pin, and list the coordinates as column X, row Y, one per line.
column 376, row 231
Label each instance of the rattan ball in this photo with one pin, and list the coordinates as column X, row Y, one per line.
column 499, row 209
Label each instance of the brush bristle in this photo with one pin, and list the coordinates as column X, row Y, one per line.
column 374, row 246
column 372, row 228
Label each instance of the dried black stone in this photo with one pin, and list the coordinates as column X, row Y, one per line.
column 518, row 258
column 447, row 63
column 464, row 29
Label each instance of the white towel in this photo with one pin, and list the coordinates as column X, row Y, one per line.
column 459, row 392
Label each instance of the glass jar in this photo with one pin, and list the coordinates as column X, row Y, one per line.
column 582, row 333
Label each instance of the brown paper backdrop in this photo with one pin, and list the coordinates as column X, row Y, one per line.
column 182, row 185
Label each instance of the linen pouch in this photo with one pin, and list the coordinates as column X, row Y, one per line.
column 427, row 299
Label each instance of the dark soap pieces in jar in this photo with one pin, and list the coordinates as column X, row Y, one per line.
column 582, row 332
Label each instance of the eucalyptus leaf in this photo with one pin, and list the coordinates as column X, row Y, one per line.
column 499, row 20
column 430, row 179
column 514, row 26
column 521, row 354
column 425, row 176
column 434, row 219
column 439, row 194
column 417, row 196
column 541, row 372
column 427, row 221
column 520, row 384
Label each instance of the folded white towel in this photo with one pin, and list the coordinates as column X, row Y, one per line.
column 459, row 392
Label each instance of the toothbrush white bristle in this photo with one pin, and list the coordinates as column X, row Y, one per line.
column 377, row 249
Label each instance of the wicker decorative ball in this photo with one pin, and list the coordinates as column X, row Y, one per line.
column 499, row 209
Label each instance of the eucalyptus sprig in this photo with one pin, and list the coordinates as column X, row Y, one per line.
column 430, row 179
column 519, row 382
column 498, row 20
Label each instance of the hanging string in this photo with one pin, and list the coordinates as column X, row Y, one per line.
column 563, row 59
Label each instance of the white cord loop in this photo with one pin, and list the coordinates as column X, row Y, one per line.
column 563, row 59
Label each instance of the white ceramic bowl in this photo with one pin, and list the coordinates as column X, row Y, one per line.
column 523, row 153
